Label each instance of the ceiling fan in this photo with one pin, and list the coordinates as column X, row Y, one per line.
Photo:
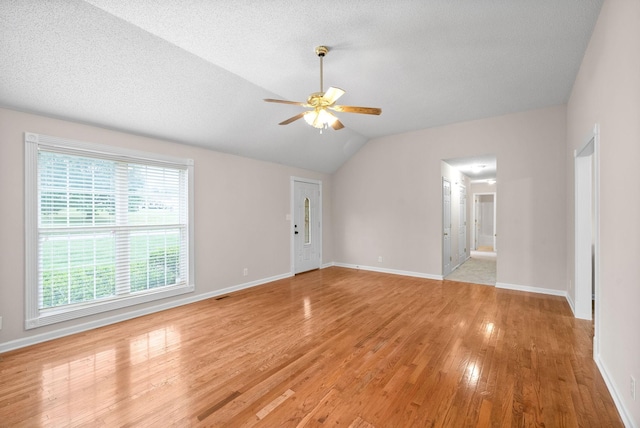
column 321, row 102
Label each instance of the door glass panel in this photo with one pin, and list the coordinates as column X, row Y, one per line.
column 307, row 221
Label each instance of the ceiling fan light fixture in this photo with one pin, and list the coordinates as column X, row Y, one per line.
column 320, row 118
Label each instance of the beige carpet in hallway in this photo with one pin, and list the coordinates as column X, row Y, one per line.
column 478, row 269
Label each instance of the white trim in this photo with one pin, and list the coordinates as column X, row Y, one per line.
column 625, row 414
column 327, row 265
column 306, row 180
column 96, row 308
column 30, row 227
column 292, row 202
column 596, row 238
column 56, row 334
column 572, row 305
column 583, row 228
column 391, row 271
column 530, row 289
column 442, row 227
column 461, row 263
column 103, row 149
column 466, row 248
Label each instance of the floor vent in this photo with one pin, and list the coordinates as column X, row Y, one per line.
column 222, row 297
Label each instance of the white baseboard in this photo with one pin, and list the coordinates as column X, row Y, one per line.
column 530, row 289
column 624, row 413
column 55, row 334
column 391, row 271
column 572, row 304
column 460, row 264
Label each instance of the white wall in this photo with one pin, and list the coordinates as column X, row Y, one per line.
column 240, row 209
column 607, row 92
column 387, row 197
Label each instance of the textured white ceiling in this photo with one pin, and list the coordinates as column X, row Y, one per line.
column 196, row 71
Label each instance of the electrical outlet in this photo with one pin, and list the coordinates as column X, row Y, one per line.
column 633, row 387
column 245, row 271
column 379, row 259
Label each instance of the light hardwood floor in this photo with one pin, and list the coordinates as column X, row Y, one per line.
column 335, row 347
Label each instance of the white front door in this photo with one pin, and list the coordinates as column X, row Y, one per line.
column 307, row 226
column 446, row 227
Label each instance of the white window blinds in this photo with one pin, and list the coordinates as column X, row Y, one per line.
column 106, row 228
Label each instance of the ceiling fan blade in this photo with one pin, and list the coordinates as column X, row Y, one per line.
column 297, row 103
column 354, row 109
column 292, row 119
column 332, row 95
column 337, row 125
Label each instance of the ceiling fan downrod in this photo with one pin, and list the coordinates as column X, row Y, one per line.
column 321, row 51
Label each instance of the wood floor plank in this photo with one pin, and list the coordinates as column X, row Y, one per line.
column 358, row 348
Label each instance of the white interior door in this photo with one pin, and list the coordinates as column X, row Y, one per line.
column 446, row 226
column 495, row 222
column 462, row 226
column 476, row 221
column 307, row 226
column 485, row 221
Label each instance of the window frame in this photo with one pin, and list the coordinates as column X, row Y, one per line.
column 36, row 317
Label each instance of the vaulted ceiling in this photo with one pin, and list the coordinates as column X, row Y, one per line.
column 196, row 72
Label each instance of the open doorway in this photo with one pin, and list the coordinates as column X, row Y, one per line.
column 587, row 242
column 469, row 233
column 484, row 222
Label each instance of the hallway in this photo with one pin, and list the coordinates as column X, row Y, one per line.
column 480, row 268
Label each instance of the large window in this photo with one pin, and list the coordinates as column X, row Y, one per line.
column 105, row 228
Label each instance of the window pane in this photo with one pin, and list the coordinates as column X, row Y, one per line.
column 307, row 221
column 82, row 192
column 76, row 268
column 154, row 195
column 75, row 191
column 155, row 259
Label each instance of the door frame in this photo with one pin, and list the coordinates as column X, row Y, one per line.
column 442, row 228
column 466, row 249
column 291, row 218
column 587, row 222
column 473, row 220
